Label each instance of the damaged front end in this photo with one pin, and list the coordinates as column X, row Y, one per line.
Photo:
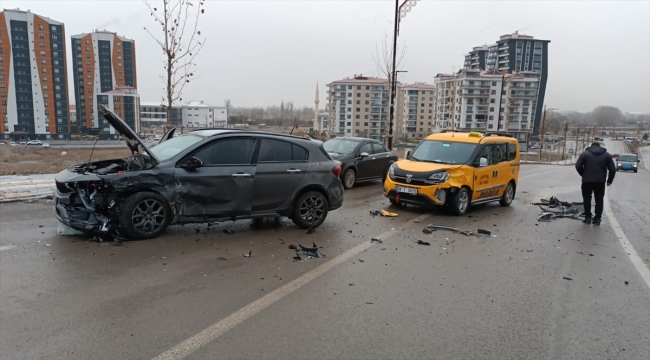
column 85, row 202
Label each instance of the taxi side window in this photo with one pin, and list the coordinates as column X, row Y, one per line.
column 499, row 153
column 512, row 151
column 487, row 154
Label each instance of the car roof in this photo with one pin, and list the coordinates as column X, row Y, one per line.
column 626, row 154
column 355, row 138
column 471, row 137
column 215, row 132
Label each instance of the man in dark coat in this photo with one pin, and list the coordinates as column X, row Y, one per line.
column 597, row 168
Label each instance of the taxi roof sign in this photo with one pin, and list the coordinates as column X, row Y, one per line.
column 475, row 134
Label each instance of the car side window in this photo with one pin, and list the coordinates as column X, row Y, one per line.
column 274, row 151
column 378, row 149
column 237, row 151
column 512, row 151
column 299, row 153
column 367, row 148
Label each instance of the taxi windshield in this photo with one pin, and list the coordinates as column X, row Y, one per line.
column 443, row 152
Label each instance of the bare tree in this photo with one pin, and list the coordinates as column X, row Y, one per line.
column 384, row 62
column 227, row 103
column 607, row 115
column 289, row 107
column 181, row 42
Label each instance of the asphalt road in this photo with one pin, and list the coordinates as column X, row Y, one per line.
column 461, row 297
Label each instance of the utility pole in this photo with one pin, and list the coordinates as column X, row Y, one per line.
column 566, row 129
column 400, row 12
column 453, row 103
column 541, row 135
column 503, row 86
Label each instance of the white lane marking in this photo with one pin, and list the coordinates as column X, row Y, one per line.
column 6, row 247
column 645, row 160
column 546, row 172
column 212, row 332
column 638, row 263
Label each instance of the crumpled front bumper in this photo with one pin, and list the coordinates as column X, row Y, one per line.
column 429, row 195
column 70, row 211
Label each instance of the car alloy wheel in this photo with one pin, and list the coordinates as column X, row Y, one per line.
column 312, row 209
column 349, row 179
column 148, row 216
column 463, row 201
column 508, row 195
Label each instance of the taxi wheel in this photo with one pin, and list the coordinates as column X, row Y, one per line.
column 460, row 202
column 508, row 195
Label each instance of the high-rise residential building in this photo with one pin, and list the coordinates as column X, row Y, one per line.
column 478, row 100
column 102, row 63
column 416, row 107
column 516, row 53
column 477, row 58
column 359, row 106
column 33, row 86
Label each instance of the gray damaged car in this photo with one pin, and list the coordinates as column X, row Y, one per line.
column 198, row 177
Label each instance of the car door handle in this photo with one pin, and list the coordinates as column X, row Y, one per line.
column 293, row 170
column 241, row 175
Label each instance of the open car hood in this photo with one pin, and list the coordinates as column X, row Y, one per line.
column 132, row 140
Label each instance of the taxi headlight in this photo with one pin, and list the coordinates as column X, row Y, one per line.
column 439, row 176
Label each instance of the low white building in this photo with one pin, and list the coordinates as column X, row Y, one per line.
column 199, row 114
column 192, row 115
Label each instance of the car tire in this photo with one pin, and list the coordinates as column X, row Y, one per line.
column 144, row 215
column 460, row 202
column 508, row 195
column 635, row 171
column 310, row 210
column 349, row 178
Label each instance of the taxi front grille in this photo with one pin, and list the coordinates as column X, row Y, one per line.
column 402, row 180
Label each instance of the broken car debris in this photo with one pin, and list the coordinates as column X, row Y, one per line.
column 553, row 208
column 433, row 227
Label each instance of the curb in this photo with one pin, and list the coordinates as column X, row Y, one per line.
column 543, row 163
column 26, row 198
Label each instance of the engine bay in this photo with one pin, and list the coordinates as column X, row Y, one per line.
column 134, row 162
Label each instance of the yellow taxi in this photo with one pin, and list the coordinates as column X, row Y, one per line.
column 456, row 169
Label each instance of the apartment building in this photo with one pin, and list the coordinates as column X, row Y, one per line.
column 416, row 110
column 102, row 62
column 33, row 79
column 155, row 114
column 359, row 106
column 484, row 101
column 477, row 58
column 517, row 53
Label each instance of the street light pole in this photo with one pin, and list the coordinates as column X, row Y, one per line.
column 400, row 12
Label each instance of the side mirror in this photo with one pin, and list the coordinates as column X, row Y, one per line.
column 407, row 154
column 483, row 162
column 364, row 155
column 638, row 160
column 193, row 163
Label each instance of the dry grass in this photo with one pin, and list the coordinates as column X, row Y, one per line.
column 16, row 160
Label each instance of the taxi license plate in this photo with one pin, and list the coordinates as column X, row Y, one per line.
column 406, row 190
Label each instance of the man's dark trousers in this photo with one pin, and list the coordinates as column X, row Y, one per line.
column 598, row 188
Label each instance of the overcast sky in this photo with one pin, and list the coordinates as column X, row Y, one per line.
column 261, row 52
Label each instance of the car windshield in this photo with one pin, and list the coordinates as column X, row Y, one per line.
column 172, row 147
column 341, row 146
column 443, row 152
column 630, row 158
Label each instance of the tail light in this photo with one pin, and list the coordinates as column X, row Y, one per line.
column 337, row 169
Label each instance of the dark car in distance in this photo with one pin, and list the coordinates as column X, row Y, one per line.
column 627, row 162
column 198, row 177
column 361, row 159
